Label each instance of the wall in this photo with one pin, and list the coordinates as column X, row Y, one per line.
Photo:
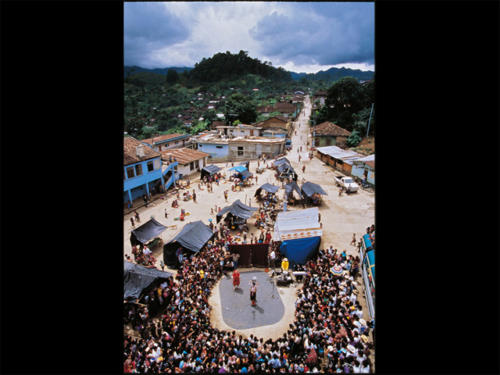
column 358, row 171
column 215, row 153
column 253, row 150
column 270, row 135
column 325, row 141
column 130, row 183
column 186, row 171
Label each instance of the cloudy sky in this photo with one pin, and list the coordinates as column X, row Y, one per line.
column 301, row 37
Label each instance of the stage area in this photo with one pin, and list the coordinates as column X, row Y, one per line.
column 237, row 311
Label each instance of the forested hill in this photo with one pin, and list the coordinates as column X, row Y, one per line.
column 163, row 71
column 334, row 74
column 228, row 66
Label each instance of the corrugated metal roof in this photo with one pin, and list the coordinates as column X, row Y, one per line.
column 337, row 152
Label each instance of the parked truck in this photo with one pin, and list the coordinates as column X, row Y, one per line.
column 347, row 183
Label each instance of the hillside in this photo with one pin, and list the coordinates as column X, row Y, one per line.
column 334, row 74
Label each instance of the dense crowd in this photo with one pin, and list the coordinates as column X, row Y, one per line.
column 329, row 334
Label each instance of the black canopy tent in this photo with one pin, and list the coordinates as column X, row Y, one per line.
column 136, row 278
column 286, row 170
column 191, row 238
column 312, row 192
column 146, row 232
column 290, row 187
column 246, row 173
column 267, row 187
column 237, row 209
column 310, row 188
column 209, row 170
column 281, row 161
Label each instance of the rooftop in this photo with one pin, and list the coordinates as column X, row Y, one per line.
column 216, row 139
column 130, row 145
column 163, row 138
column 329, row 128
column 184, row 155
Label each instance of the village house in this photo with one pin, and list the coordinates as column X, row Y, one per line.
column 287, row 109
column 143, row 171
column 340, row 159
column 189, row 161
column 167, row 141
column 329, row 134
column 240, row 130
column 321, row 95
column 239, row 148
column 364, row 168
column 276, row 122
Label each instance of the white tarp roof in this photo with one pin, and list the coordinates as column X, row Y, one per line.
column 336, row 152
column 368, row 158
column 297, row 224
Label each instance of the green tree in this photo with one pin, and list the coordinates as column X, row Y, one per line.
column 172, row 76
column 354, row 139
column 239, row 107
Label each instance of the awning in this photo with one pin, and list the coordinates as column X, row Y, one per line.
column 310, row 188
column 291, row 187
column 136, row 278
column 246, row 174
column 237, row 209
column 267, row 187
column 281, row 161
column 193, row 236
column 147, row 231
column 292, row 225
column 211, row 169
column 238, row 168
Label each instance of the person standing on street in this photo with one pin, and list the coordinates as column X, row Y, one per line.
column 272, row 259
column 162, row 265
column 137, row 218
column 304, row 169
column 253, row 291
column 353, row 242
column 166, row 214
column 194, row 196
column 132, row 222
column 145, row 198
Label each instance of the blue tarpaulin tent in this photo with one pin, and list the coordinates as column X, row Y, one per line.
column 238, row 168
column 300, row 233
column 298, row 251
column 209, row 170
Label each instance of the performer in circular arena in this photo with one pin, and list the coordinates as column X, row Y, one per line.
column 253, row 291
column 236, row 279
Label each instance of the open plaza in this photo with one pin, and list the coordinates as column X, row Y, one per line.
column 312, row 311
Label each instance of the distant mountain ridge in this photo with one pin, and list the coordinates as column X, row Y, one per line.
column 331, row 74
column 334, row 74
column 163, row 71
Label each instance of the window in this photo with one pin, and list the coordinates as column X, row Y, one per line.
column 150, row 166
column 191, row 166
column 138, row 169
column 240, row 151
column 130, row 172
column 218, row 146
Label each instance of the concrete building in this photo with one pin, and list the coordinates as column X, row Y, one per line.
column 222, row 148
column 365, row 168
column 189, row 161
column 143, row 172
column 339, row 159
column 240, row 130
column 167, row 141
column 329, row 134
column 275, row 123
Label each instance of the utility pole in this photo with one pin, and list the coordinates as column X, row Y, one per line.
column 369, row 120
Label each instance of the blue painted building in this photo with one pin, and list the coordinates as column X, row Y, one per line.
column 216, row 150
column 143, row 172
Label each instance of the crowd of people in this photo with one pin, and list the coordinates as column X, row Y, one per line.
column 329, row 334
column 143, row 256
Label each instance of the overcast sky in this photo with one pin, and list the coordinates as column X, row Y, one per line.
column 301, row 37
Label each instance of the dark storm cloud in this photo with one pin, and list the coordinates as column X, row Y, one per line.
column 322, row 33
column 149, row 27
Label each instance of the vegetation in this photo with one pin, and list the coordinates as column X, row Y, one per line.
column 173, row 100
column 348, row 104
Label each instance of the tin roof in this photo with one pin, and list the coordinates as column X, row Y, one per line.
column 184, row 155
column 163, row 138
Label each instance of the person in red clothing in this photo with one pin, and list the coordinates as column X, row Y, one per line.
column 268, row 237
column 236, row 279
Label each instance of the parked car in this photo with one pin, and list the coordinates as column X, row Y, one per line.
column 347, row 183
